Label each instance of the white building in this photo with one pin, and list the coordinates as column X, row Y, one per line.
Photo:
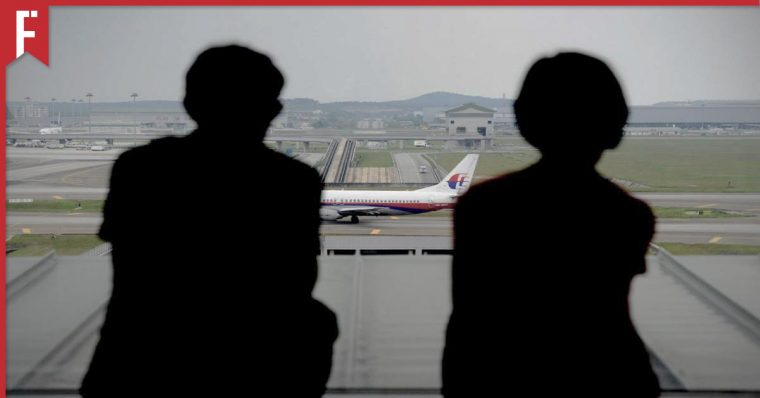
column 370, row 124
column 470, row 119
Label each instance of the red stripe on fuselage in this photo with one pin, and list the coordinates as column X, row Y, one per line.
column 396, row 205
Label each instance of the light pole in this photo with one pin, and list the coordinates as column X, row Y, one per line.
column 27, row 109
column 134, row 115
column 89, row 112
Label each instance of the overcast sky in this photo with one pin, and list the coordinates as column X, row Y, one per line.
column 376, row 54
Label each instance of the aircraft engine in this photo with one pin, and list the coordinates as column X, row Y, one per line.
column 329, row 214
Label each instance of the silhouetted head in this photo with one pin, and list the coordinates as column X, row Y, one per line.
column 233, row 87
column 571, row 106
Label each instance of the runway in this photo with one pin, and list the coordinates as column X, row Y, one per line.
column 408, row 165
column 34, row 172
column 744, row 231
column 748, row 202
column 46, row 174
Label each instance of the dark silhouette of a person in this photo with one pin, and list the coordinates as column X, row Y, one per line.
column 215, row 239
column 544, row 256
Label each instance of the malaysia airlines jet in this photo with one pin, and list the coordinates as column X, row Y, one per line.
column 340, row 204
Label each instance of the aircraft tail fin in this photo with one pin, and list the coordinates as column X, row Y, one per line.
column 459, row 179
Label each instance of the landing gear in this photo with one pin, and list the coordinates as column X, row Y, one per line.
column 354, row 219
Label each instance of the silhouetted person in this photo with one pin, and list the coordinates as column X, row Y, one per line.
column 544, row 256
column 215, row 240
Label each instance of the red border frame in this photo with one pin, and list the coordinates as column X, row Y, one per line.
column 7, row 55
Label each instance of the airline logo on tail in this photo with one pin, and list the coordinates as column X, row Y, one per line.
column 457, row 180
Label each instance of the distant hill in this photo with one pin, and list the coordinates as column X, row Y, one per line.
column 301, row 104
column 437, row 99
column 440, row 99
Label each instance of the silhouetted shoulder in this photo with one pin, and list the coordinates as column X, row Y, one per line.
column 296, row 166
column 132, row 170
column 155, row 150
column 494, row 189
column 642, row 223
column 638, row 211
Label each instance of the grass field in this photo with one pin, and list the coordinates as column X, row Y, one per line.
column 58, row 206
column 667, row 164
column 39, row 245
column 373, row 159
column 678, row 164
column 682, row 249
column 489, row 164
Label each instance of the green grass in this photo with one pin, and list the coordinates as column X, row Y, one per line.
column 489, row 164
column 58, row 206
column 660, row 164
column 437, row 213
column 39, row 245
column 373, row 159
column 680, row 164
column 681, row 249
column 688, row 212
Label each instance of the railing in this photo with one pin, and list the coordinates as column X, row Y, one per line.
column 100, row 250
column 745, row 320
column 31, row 275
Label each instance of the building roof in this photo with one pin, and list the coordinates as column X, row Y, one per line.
column 695, row 114
column 470, row 105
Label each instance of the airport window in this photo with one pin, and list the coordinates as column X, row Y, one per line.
column 391, row 300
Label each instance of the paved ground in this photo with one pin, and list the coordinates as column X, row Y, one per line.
column 392, row 311
column 408, row 165
column 744, row 231
column 749, row 202
column 40, row 173
column 310, row 158
column 372, row 175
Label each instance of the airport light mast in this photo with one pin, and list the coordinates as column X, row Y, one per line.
column 89, row 112
column 134, row 115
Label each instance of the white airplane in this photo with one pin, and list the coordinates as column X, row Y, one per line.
column 340, row 204
column 53, row 130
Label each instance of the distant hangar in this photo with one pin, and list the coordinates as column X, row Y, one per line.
column 697, row 115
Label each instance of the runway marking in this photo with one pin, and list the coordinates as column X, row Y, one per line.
column 715, row 239
column 375, row 232
column 707, row 205
column 86, row 170
column 26, row 230
column 394, row 218
column 57, row 197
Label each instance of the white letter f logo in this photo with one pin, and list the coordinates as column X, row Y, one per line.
column 22, row 34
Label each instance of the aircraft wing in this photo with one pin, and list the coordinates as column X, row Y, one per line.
column 359, row 211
